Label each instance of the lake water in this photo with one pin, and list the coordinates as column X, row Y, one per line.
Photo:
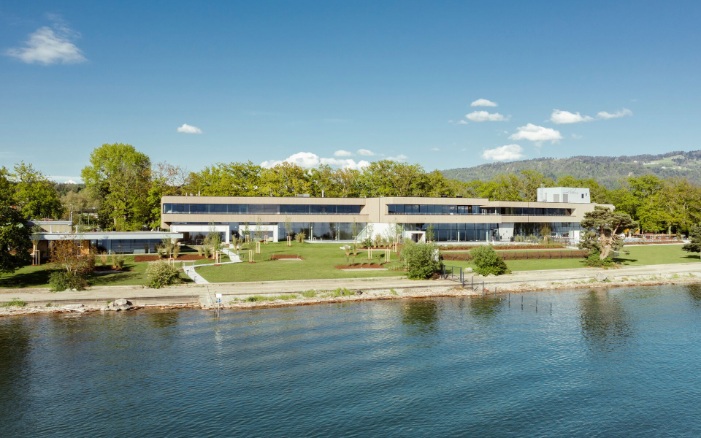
column 622, row 362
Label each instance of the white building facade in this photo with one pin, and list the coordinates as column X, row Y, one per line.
column 446, row 219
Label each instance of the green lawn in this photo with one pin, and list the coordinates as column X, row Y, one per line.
column 630, row 256
column 318, row 261
column 655, row 255
column 133, row 274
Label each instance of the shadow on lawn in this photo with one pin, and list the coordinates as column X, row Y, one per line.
column 29, row 279
column 624, row 261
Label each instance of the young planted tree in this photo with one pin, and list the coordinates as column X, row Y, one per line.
column 76, row 262
column 487, row 261
column 422, row 260
column 603, row 234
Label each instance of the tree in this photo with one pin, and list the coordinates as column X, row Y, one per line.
column 694, row 244
column 15, row 242
column 76, row 260
column 487, row 261
column 284, row 179
column 119, row 177
column 7, row 191
column 603, row 232
column 35, row 196
column 166, row 180
column 233, row 179
column 422, row 260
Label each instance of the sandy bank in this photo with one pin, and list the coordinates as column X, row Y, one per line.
column 308, row 292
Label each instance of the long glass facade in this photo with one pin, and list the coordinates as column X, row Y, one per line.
column 429, row 209
column 173, row 208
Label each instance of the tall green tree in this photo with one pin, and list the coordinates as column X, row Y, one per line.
column 35, row 196
column 119, row 177
column 15, row 242
column 7, row 189
column 220, row 179
column 166, row 180
column 284, row 179
column 390, row 178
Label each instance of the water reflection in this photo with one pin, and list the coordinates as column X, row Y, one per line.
column 163, row 319
column 604, row 320
column 694, row 291
column 485, row 308
column 15, row 346
column 421, row 316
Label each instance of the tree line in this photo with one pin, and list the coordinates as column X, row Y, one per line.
column 122, row 189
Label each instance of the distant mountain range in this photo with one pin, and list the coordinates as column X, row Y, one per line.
column 608, row 171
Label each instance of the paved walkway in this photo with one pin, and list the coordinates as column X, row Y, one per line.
column 191, row 272
column 204, row 293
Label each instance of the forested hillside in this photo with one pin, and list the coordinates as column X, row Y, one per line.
column 608, row 171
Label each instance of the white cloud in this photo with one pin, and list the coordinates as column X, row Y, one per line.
column 618, row 114
column 398, row 158
column 504, row 153
column 537, row 134
column 189, row 129
column 342, row 153
column 565, row 117
column 345, row 164
column 366, row 153
column 435, row 149
column 483, row 102
column 484, row 116
column 310, row 160
column 49, row 45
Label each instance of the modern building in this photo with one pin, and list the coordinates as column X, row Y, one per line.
column 122, row 242
column 447, row 219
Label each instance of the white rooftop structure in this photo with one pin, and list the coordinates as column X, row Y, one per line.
column 564, row 194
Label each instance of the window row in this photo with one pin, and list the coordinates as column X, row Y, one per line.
column 259, row 209
column 429, row 209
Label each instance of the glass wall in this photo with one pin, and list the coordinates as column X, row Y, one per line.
column 172, row 208
column 456, row 232
column 429, row 209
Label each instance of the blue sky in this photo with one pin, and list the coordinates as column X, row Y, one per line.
column 443, row 84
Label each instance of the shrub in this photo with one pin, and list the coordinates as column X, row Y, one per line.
column 117, row 262
column 63, row 280
column 161, row 274
column 594, row 260
column 422, row 260
column 487, row 261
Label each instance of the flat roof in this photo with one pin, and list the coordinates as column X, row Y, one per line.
column 110, row 235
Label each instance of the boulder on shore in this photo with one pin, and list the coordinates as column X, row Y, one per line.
column 120, row 304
